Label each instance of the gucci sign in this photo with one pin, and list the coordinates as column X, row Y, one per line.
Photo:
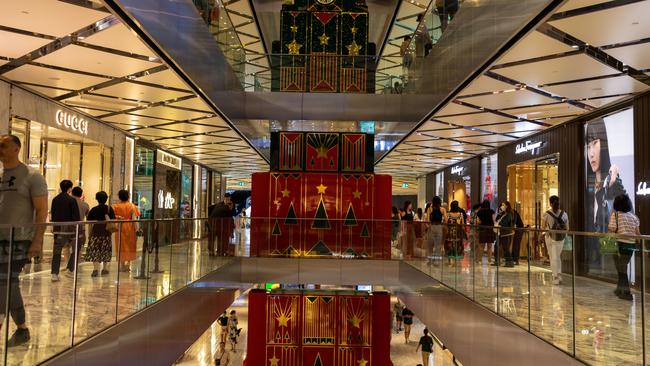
column 71, row 122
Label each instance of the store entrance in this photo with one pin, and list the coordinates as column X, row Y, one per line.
column 530, row 185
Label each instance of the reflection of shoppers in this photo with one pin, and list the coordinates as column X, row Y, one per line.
column 233, row 331
column 623, row 222
column 454, row 241
column 64, row 210
column 23, row 201
column 125, row 210
column 426, row 342
column 446, row 10
column 423, row 41
column 407, row 314
column 222, row 358
column 604, row 183
column 555, row 219
column 506, row 223
column 486, row 235
column 100, row 247
column 394, row 225
column 222, row 226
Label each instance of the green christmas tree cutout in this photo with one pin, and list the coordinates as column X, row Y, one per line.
column 321, row 221
column 365, row 233
column 276, row 229
column 291, row 218
column 350, row 218
column 291, row 251
column 320, row 249
column 318, row 361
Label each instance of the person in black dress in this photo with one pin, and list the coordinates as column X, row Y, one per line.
column 486, row 235
column 407, row 316
column 100, row 246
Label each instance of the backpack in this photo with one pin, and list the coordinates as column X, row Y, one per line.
column 223, row 321
column 558, row 224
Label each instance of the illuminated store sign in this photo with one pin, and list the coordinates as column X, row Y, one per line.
column 642, row 189
column 457, row 169
column 169, row 160
column 165, row 200
column 71, row 122
column 527, row 146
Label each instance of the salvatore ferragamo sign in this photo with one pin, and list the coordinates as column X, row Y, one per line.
column 71, row 122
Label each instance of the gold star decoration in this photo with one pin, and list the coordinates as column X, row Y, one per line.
column 354, row 30
column 356, row 194
column 321, row 188
column 362, row 361
column 283, row 320
column 322, row 152
column 276, row 202
column 274, row 361
column 294, row 28
column 285, row 192
column 294, row 47
column 353, row 48
column 356, row 321
column 324, row 39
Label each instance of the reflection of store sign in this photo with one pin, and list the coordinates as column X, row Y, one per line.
column 71, row 122
column 527, row 146
column 405, row 185
column 165, row 200
column 457, row 169
column 169, row 160
column 642, row 189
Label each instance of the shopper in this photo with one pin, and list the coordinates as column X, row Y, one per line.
column 557, row 220
column 223, row 323
column 397, row 309
column 222, row 225
column 437, row 217
column 624, row 223
column 446, row 10
column 455, row 238
column 518, row 236
column 419, row 229
column 423, row 42
column 84, row 208
column 64, row 209
column 505, row 223
column 100, row 246
column 222, row 358
column 408, row 234
column 125, row 240
column 426, row 342
column 486, row 234
column 395, row 218
column 23, row 202
column 233, row 330
column 407, row 315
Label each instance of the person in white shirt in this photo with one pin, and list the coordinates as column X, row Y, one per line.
column 555, row 219
column 624, row 223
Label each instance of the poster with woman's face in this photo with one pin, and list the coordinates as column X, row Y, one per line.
column 609, row 163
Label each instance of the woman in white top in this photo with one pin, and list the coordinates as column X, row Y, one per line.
column 623, row 222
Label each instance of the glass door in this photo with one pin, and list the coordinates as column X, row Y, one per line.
column 546, row 185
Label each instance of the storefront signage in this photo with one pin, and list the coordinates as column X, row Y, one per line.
column 458, row 169
column 527, row 146
column 165, row 200
column 169, row 160
column 71, row 122
column 405, row 185
column 642, row 189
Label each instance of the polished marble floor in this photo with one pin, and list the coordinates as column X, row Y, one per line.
column 57, row 318
column 600, row 329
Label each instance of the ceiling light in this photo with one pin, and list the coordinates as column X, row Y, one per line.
column 575, row 46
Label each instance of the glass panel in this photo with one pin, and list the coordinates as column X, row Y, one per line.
column 62, row 162
column 36, row 156
column 18, row 128
column 107, row 180
column 92, row 174
column 143, row 181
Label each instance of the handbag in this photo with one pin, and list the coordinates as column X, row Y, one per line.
column 111, row 226
column 608, row 242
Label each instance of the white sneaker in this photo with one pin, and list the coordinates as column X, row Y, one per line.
column 55, row 278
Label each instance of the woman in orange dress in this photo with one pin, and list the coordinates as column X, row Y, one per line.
column 125, row 210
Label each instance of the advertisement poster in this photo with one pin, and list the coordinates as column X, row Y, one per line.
column 609, row 164
column 489, row 182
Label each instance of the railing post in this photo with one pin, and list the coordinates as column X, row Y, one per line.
column 528, row 258
column 8, row 292
column 643, row 290
column 119, row 265
column 573, row 290
column 74, row 283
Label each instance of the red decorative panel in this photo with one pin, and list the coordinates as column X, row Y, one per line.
column 321, row 213
column 322, row 152
column 323, row 72
column 357, row 191
column 335, row 330
column 291, row 151
column 353, row 154
column 353, row 80
column 293, row 78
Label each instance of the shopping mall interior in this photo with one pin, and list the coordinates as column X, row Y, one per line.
column 324, row 182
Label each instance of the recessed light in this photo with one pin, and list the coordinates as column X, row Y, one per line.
column 26, row 12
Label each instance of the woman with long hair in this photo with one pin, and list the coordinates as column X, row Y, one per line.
column 408, row 234
column 625, row 223
column 437, row 217
column 604, row 183
column 486, row 235
column 126, row 236
column 455, row 238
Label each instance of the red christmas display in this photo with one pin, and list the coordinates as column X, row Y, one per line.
column 329, row 208
column 319, row 329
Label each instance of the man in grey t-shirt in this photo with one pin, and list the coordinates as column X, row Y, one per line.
column 23, row 202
